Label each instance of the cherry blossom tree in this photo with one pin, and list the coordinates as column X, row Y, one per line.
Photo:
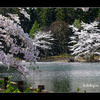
column 86, row 41
column 22, row 10
column 42, row 39
column 14, row 41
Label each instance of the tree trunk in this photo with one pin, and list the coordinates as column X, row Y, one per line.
column 93, row 57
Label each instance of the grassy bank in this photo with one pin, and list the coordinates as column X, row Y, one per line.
column 58, row 58
column 66, row 58
column 54, row 58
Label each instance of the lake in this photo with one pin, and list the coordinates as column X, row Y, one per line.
column 63, row 77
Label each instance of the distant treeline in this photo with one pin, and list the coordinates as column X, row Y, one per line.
column 56, row 20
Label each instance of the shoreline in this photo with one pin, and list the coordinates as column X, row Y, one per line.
column 66, row 60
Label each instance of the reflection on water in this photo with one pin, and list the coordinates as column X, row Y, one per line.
column 61, row 84
column 64, row 77
column 4, row 72
column 53, row 80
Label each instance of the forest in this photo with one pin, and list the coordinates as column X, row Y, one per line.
column 56, row 20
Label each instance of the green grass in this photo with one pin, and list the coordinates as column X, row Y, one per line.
column 66, row 57
column 58, row 56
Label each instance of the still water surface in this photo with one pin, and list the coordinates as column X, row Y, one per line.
column 62, row 77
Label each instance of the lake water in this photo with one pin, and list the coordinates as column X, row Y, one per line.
column 63, row 77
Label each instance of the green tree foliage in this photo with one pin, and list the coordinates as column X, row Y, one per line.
column 59, row 14
column 45, row 17
column 71, row 14
column 61, row 33
column 77, row 23
column 6, row 10
column 34, row 29
column 98, row 17
column 98, row 12
column 90, row 15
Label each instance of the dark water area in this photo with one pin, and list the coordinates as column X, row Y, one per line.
column 14, row 74
column 62, row 77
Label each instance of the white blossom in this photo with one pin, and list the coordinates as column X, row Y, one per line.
column 85, row 9
column 24, row 13
column 41, row 39
column 87, row 40
column 15, row 17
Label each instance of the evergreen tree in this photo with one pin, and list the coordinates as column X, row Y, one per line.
column 51, row 16
column 46, row 16
column 69, row 15
column 60, row 14
column 34, row 29
column 43, row 18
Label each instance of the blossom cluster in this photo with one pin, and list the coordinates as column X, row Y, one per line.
column 86, row 41
column 15, row 17
column 10, row 34
column 14, row 41
column 42, row 39
column 85, row 9
column 24, row 13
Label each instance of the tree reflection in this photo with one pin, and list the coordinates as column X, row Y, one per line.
column 61, row 84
